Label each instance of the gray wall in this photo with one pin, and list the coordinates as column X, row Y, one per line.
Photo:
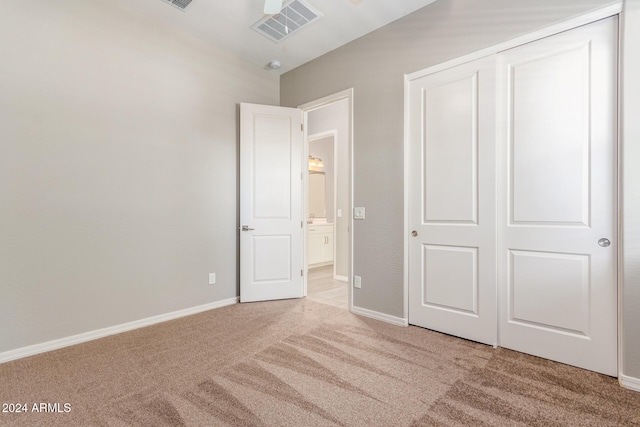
column 323, row 149
column 374, row 66
column 118, row 167
column 335, row 116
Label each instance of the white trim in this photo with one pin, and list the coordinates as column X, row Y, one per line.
column 629, row 382
column 601, row 13
column 405, row 261
column 398, row 321
column 326, row 100
column 323, row 134
column 335, row 206
column 320, row 264
column 306, row 109
column 341, row 278
column 619, row 197
column 32, row 350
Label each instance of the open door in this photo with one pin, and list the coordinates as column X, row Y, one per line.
column 271, row 223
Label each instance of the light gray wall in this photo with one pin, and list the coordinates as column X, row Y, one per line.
column 374, row 66
column 118, row 167
column 631, row 187
column 335, row 116
column 323, row 149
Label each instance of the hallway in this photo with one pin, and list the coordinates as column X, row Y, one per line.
column 323, row 288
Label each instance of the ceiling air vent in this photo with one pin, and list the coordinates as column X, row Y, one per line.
column 294, row 15
column 180, row 4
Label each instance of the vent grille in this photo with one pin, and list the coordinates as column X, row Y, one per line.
column 293, row 16
column 180, row 4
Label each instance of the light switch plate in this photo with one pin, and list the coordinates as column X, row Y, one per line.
column 212, row 278
column 339, row 213
column 358, row 213
column 357, row 282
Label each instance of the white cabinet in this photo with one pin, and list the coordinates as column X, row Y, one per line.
column 320, row 244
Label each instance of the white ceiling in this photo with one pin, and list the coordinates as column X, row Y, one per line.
column 227, row 24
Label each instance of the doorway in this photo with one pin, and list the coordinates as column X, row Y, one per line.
column 323, row 254
column 274, row 196
column 328, row 199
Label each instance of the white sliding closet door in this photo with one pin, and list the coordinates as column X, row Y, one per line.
column 452, row 273
column 557, row 231
column 518, row 247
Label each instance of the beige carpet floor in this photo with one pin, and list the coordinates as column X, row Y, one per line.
column 303, row 363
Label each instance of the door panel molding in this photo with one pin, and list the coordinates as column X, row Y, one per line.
column 455, row 162
column 451, row 278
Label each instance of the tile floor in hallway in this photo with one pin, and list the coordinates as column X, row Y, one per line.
column 322, row 287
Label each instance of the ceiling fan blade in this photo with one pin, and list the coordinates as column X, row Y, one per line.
column 272, row 7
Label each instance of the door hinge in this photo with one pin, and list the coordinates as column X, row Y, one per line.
column 301, row 273
column 301, row 224
column 301, row 127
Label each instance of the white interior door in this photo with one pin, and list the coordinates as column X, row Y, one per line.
column 271, row 234
column 452, row 214
column 557, row 135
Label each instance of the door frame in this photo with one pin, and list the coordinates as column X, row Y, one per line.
column 306, row 109
column 596, row 15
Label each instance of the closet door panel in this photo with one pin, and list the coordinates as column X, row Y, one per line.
column 557, row 124
column 452, row 274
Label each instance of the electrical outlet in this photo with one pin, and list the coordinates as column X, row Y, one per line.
column 339, row 213
column 212, row 278
column 357, row 282
column 358, row 213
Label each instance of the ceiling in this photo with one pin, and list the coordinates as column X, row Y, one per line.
column 227, row 24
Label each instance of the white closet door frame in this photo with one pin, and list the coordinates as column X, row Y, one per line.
column 602, row 13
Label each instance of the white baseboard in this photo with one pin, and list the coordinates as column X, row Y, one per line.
column 320, row 264
column 398, row 321
column 341, row 278
column 629, row 382
column 32, row 350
